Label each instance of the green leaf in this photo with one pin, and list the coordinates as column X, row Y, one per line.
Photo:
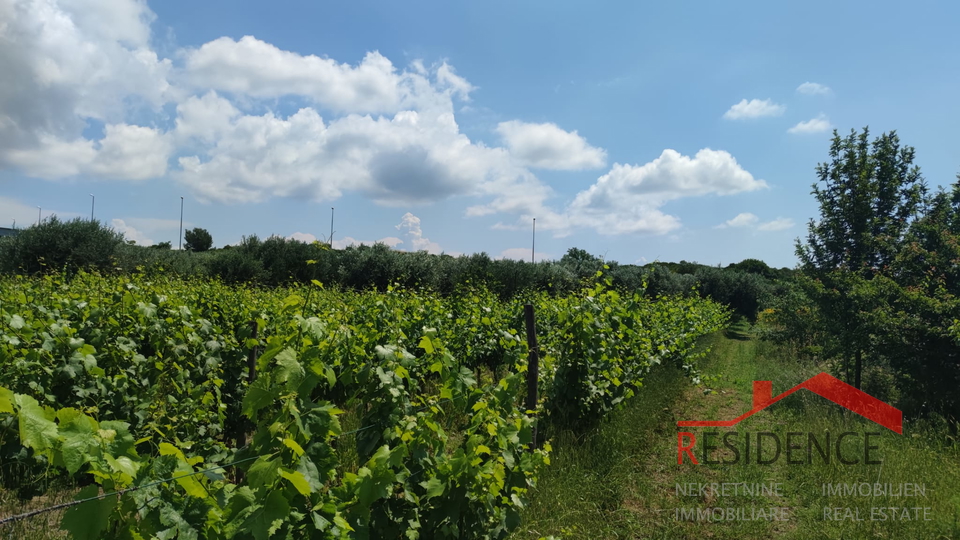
column 426, row 344
column 433, row 486
column 266, row 520
column 36, row 430
column 292, row 444
column 16, row 322
column 288, row 369
column 77, row 436
column 259, row 395
column 6, row 400
column 298, row 481
column 88, row 520
column 263, row 472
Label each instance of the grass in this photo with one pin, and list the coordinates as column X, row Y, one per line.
column 619, row 480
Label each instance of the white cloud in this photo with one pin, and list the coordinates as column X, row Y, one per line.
column 131, row 233
column 755, row 108
column 71, row 62
column 820, row 124
column 410, row 225
column 126, row 152
column 447, row 78
column 628, row 199
column 205, row 118
column 303, row 237
column 257, row 69
column 25, row 215
column 132, row 153
column 813, row 89
column 744, row 219
column 523, row 254
column 347, row 241
column 414, row 157
column 546, row 146
column 64, row 62
column 778, row 224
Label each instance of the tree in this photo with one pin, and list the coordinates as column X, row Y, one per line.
column 198, row 240
column 161, row 245
column 872, row 193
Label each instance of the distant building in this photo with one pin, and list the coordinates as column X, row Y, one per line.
column 6, row 231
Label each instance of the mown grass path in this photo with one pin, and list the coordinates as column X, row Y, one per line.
column 620, row 479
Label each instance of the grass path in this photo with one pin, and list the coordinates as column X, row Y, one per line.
column 619, row 480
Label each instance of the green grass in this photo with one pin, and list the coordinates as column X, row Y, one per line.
column 619, row 480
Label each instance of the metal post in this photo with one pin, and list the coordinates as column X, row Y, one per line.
column 93, row 200
column 331, row 227
column 533, row 365
column 180, row 244
column 534, row 246
column 38, row 216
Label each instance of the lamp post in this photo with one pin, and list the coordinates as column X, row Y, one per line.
column 331, row 227
column 180, row 244
column 38, row 216
column 93, row 200
column 533, row 247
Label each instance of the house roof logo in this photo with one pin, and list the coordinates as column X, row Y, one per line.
column 823, row 385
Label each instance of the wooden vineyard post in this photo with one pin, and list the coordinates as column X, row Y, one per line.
column 533, row 366
column 252, row 356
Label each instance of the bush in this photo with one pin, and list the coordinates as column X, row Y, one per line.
column 56, row 245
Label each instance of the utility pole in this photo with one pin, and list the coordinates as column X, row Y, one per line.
column 38, row 216
column 180, row 245
column 331, row 227
column 93, row 200
column 534, row 246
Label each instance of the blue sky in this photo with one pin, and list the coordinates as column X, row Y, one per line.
column 637, row 132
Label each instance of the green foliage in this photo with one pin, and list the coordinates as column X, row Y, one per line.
column 55, row 246
column 743, row 292
column 161, row 245
column 197, row 240
column 128, row 381
column 871, row 194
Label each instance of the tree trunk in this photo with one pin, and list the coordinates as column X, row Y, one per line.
column 859, row 367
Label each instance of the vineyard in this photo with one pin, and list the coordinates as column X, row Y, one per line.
column 193, row 409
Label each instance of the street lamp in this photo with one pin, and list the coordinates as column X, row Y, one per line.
column 180, row 245
column 92, row 201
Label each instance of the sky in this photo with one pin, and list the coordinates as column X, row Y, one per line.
column 636, row 131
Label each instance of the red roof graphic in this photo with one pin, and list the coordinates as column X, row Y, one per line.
column 823, row 385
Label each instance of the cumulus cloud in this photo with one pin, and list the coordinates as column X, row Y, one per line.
column 65, row 62
column 813, row 89
column 303, row 237
column 628, row 199
column 347, row 241
column 259, row 69
column 414, row 157
column 744, row 219
column 523, row 254
column 755, row 108
column 778, row 224
column 131, row 233
column 820, row 124
column 410, row 225
column 547, row 146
